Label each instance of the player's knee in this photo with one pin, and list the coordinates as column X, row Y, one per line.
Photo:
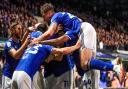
column 84, row 65
column 85, row 56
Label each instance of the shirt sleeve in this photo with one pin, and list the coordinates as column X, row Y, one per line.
column 49, row 48
column 71, row 34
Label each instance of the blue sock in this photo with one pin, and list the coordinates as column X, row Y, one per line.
column 100, row 65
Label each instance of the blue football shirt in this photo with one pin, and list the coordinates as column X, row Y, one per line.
column 33, row 58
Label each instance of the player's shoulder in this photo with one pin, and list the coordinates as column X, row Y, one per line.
column 41, row 46
column 62, row 13
column 46, row 47
column 56, row 15
column 59, row 14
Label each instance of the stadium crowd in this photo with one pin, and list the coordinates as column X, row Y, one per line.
column 10, row 11
column 109, row 30
column 113, row 39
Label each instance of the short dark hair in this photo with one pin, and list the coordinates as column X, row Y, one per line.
column 46, row 7
column 42, row 27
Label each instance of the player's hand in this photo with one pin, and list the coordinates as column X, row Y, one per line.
column 34, row 41
column 31, row 29
column 27, row 41
column 36, row 25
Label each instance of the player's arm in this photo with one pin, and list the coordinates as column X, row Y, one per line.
column 27, row 32
column 51, row 30
column 56, row 42
column 18, row 53
column 66, row 50
column 69, row 35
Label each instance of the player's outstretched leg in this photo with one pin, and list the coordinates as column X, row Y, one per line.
column 106, row 66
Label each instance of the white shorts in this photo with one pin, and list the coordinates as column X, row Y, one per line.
column 21, row 80
column 6, row 82
column 88, row 36
column 38, row 80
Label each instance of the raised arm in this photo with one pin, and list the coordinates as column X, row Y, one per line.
column 51, row 30
column 27, row 32
column 56, row 42
column 18, row 53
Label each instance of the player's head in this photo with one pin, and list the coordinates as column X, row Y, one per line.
column 15, row 30
column 47, row 11
column 41, row 27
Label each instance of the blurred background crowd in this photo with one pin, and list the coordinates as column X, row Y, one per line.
column 111, row 24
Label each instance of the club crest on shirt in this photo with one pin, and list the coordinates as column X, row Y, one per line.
column 8, row 44
column 16, row 47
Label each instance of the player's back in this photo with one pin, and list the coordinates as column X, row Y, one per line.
column 33, row 58
column 68, row 20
